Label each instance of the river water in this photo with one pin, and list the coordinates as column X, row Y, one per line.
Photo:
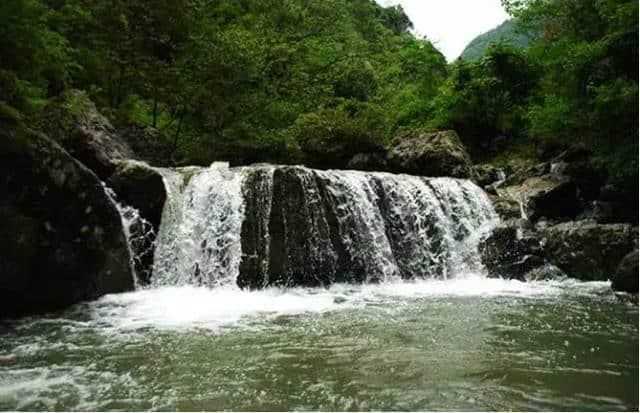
column 469, row 343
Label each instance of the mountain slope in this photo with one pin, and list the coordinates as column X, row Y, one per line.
column 507, row 32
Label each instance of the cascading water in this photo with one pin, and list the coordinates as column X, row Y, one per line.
column 277, row 225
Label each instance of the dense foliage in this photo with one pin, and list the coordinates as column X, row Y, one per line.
column 317, row 81
column 508, row 32
column 241, row 80
column 574, row 89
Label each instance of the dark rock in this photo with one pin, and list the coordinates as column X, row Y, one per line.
column 139, row 186
column 86, row 134
column 519, row 170
column 626, row 275
column 368, row 162
column 485, row 174
column 506, row 208
column 63, row 240
column 549, row 196
column 430, row 154
column 587, row 250
column 599, row 211
column 303, row 234
column 508, row 255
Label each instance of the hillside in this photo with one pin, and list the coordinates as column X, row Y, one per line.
column 506, row 31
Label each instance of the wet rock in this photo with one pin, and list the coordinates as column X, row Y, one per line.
column 507, row 254
column 505, row 208
column 587, row 250
column 303, row 235
column 544, row 273
column 626, row 275
column 139, row 186
column 368, row 162
column 549, row 196
column 63, row 240
column 485, row 174
column 430, row 154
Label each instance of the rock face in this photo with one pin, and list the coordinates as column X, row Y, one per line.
column 507, row 255
column 86, row 134
column 139, row 186
column 430, row 154
column 63, row 240
column 626, row 276
column 549, row 196
column 587, row 250
column 368, row 162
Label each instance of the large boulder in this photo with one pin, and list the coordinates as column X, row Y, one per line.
column 626, row 275
column 507, row 253
column 430, row 154
column 549, row 196
column 62, row 240
column 75, row 123
column 141, row 187
column 587, row 250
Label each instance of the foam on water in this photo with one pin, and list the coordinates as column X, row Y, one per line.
column 188, row 307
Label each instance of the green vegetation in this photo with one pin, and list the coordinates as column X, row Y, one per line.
column 233, row 80
column 508, row 32
column 317, row 81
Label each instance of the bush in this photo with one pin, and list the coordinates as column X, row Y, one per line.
column 330, row 136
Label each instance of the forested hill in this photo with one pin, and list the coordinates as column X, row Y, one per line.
column 238, row 80
column 318, row 81
column 506, row 32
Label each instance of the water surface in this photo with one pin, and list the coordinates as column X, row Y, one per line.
column 465, row 344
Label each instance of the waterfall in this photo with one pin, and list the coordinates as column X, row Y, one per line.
column 281, row 225
column 140, row 237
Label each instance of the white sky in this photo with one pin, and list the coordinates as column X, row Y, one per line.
column 451, row 24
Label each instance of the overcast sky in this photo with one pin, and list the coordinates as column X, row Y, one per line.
column 451, row 24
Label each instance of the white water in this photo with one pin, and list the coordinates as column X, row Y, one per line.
column 190, row 307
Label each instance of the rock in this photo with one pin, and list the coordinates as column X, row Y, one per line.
column 508, row 255
column 505, row 208
column 544, row 273
column 430, row 154
column 139, row 186
column 519, row 170
column 63, row 240
column 485, row 174
column 368, row 162
column 86, row 134
column 549, row 196
column 587, row 250
column 626, row 275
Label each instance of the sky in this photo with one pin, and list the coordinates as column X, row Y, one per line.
column 451, row 24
